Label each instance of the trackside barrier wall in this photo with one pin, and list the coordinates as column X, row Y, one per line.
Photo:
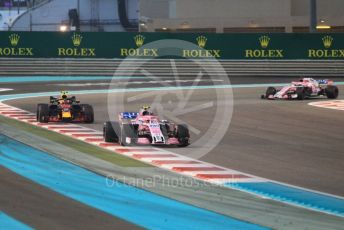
column 221, row 46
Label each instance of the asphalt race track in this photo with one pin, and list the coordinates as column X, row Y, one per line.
column 286, row 141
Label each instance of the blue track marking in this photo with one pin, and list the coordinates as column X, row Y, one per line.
column 60, row 78
column 7, row 222
column 129, row 203
column 296, row 196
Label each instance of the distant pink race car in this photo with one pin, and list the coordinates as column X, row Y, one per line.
column 304, row 88
column 145, row 128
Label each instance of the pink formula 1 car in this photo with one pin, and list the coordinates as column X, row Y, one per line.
column 144, row 128
column 304, row 88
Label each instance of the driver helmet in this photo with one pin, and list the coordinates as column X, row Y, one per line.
column 145, row 110
column 64, row 95
column 306, row 80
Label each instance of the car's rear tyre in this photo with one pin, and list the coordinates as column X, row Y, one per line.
column 128, row 131
column 42, row 114
column 300, row 91
column 332, row 91
column 308, row 92
column 88, row 113
column 183, row 135
column 110, row 130
column 270, row 91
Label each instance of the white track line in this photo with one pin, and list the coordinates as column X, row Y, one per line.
column 5, row 89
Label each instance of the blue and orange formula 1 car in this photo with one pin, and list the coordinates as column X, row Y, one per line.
column 65, row 109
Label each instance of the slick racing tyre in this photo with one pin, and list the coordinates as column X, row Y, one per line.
column 88, row 113
column 332, row 91
column 128, row 135
column 270, row 91
column 109, row 131
column 42, row 114
column 183, row 135
column 300, row 91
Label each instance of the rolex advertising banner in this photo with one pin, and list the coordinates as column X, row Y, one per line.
column 274, row 46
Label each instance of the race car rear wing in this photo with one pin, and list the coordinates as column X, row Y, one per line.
column 325, row 82
column 128, row 115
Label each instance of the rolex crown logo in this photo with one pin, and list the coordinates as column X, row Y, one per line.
column 327, row 41
column 76, row 39
column 201, row 41
column 14, row 39
column 264, row 41
column 139, row 40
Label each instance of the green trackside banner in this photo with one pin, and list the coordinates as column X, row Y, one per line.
column 123, row 45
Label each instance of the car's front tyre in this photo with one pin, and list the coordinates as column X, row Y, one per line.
column 300, row 92
column 109, row 132
column 270, row 91
column 127, row 131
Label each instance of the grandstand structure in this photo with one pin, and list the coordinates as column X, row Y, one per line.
column 213, row 16
column 9, row 11
column 233, row 16
column 70, row 15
